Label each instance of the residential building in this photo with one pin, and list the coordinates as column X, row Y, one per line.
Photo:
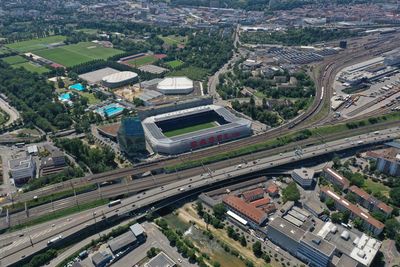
column 304, row 177
column 248, row 211
column 22, row 169
column 336, row 179
column 387, row 161
column 370, row 223
column 369, row 202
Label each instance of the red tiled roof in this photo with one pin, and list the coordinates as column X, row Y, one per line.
column 353, row 208
column 269, row 208
column 261, row 202
column 385, row 208
column 272, row 188
column 359, row 192
column 249, row 195
column 244, row 208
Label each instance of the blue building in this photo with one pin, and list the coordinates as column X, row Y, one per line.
column 131, row 137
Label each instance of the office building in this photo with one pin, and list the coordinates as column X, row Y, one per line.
column 131, row 137
column 315, row 250
column 22, row 169
column 304, row 177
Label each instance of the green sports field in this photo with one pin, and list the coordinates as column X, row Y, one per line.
column 145, row 60
column 174, row 63
column 14, row 60
column 173, row 39
column 190, row 129
column 32, row 67
column 35, row 44
column 75, row 54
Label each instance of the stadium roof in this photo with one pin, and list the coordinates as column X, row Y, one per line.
column 120, row 77
column 175, row 83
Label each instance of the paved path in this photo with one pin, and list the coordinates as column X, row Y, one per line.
column 11, row 111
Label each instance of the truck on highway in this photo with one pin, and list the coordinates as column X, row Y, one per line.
column 114, row 203
column 54, row 240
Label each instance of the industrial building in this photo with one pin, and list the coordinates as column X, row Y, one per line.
column 178, row 125
column 128, row 241
column 175, row 86
column 369, row 222
column 119, row 79
column 304, row 177
column 336, row 179
column 101, row 259
column 304, row 245
column 22, row 169
column 131, row 137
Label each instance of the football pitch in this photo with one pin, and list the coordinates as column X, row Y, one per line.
column 190, row 129
column 75, row 54
column 140, row 61
column 35, row 44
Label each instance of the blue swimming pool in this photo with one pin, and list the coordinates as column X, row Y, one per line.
column 65, row 97
column 111, row 110
column 77, row 86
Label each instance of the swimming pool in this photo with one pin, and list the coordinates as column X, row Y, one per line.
column 65, row 97
column 111, row 110
column 77, row 86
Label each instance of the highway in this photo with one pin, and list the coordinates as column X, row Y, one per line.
column 40, row 234
column 137, row 185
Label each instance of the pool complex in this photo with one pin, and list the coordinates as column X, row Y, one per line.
column 65, row 97
column 77, row 86
column 111, row 110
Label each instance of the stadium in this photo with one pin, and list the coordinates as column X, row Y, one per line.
column 119, row 79
column 185, row 130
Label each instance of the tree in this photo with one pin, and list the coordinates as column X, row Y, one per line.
column 257, row 249
column 219, row 211
column 357, row 179
column 358, row 223
column 291, row 192
column 266, row 258
column 336, row 162
column 336, row 217
column 395, row 195
column 216, row 264
column 199, row 208
column 392, row 228
column 243, row 241
column 330, row 203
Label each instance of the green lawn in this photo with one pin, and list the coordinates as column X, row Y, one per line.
column 87, row 30
column 376, row 187
column 32, row 67
column 75, row 54
column 194, row 73
column 173, row 39
column 3, row 117
column 174, row 63
column 92, row 99
column 14, row 60
column 189, row 129
column 137, row 62
column 3, row 50
column 35, row 44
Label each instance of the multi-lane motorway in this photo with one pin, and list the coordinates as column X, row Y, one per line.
column 35, row 238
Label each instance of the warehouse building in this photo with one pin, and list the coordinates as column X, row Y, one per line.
column 119, row 79
column 160, row 260
column 177, row 132
column 175, row 86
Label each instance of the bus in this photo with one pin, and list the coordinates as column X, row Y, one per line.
column 19, row 145
column 54, row 240
column 114, row 203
